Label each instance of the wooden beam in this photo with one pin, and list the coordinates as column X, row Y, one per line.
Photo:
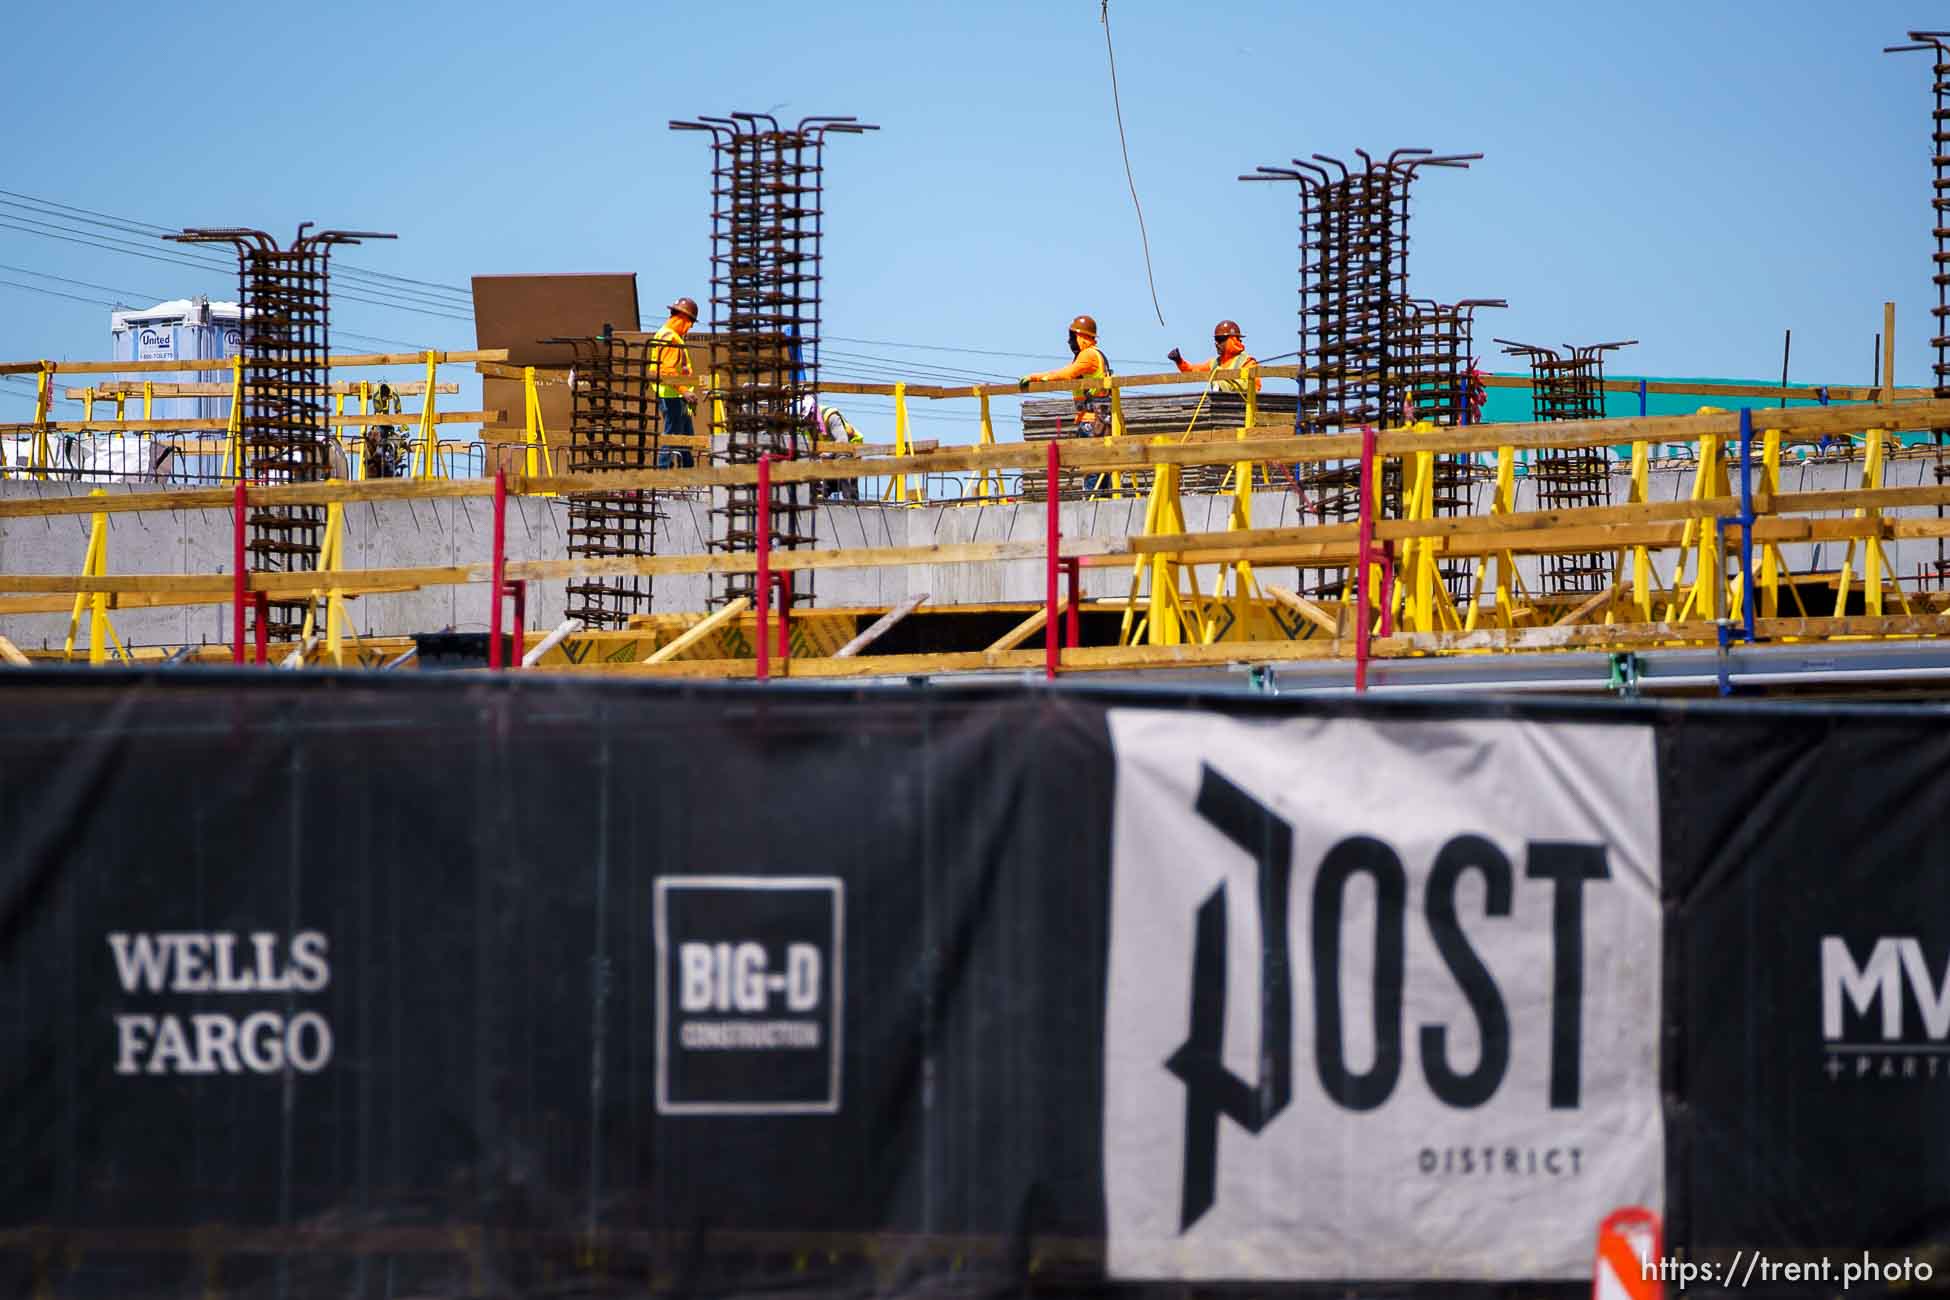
column 1591, row 606
column 348, row 361
column 108, row 392
column 879, row 627
column 1021, row 632
column 1305, row 608
column 10, row 654
column 705, row 627
column 403, row 418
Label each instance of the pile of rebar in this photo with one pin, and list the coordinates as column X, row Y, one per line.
column 766, row 226
column 285, row 423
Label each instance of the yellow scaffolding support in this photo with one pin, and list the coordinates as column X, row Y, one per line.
column 94, row 564
column 987, row 439
column 234, row 426
column 896, row 489
column 431, row 465
column 1503, row 501
column 534, row 434
column 1875, row 560
column 331, row 559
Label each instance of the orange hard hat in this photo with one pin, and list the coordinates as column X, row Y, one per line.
column 1086, row 325
column 684, row 307
column 1227, row 328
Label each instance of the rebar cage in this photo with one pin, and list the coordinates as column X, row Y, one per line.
column 285, row 424
column 1569, row 386
column 615, row 424
column 1370, row 351
column 767, row 223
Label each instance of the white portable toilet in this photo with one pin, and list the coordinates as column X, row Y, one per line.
column 183, row 329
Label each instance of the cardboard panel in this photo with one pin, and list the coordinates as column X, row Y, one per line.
column 517, row 311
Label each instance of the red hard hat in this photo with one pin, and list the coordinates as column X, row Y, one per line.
column 684, row 307
column 1084, row 325
column 1225, row 328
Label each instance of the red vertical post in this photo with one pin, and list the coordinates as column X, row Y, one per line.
column 1054, row 534
column 498, row 579
column 239, row 564
column 517, row 639
column 261, row 608
column 785, row 617
column 762, row 588
column 1362, row 607
column 1073, row 570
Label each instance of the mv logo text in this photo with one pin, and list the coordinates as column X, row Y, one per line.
column 1212, row 1090
column 748, row 994
column 1887, row 1016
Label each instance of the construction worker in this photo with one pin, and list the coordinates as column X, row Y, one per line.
column 1229, row 369
column 674, row 359
column 1092, row 399
column 828, row 425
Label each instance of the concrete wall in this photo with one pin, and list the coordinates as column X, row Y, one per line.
column 457, row 532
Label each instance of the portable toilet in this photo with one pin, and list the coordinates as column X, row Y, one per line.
column 183, row 329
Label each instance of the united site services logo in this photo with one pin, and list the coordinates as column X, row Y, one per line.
column 748, row 994
column 1886, row 1017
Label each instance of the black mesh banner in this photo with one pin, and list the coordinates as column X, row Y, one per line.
column 459, row 986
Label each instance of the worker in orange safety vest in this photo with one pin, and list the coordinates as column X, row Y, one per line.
column 1231, row 369
column 674, row 359
column 1092, row 399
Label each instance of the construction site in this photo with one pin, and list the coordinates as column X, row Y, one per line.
column 1359, row 517
column 671, row 829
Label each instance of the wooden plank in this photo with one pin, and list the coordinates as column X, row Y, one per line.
column 10, row 654
column 1300, row 605
column 208, row 426
column 704, row 628
column 108, row 392
column 348, row 361
column 879, row 627
column 1021, row 632
column 1588, row 607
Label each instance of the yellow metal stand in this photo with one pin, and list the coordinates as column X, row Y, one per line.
column 897, row 485
column 101, row 633
column 1170, row 617
column 330, row 560
column 234, row 426
column 1503, row 501
column 430, row 463
column 1875, row 560
column 533, row 434
column 987, row 439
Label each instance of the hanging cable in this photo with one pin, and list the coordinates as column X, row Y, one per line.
column 1116, row 104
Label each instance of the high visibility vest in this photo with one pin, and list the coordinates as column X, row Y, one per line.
column 1234, row 369
column 828, row 417
column 1085, row 390
column 674, row 358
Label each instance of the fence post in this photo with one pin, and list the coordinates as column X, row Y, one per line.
column 497, row 581
column 239, row 562
column 1054, row 534
column 1362, row 601
column 762, row 588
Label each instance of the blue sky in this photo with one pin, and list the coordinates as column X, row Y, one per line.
column 1684, row 174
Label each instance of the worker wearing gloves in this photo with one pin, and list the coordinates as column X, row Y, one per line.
column 1231, row 369
column 1092, row 399
column 674, row 359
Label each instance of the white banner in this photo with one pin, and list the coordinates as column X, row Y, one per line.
column 1384, row 997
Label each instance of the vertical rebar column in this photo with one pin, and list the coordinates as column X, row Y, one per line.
column 767, row 225
column 1356, row 334
column 1935, row 44
column 614, row 426
column 285, row 339
column 1569, row 387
